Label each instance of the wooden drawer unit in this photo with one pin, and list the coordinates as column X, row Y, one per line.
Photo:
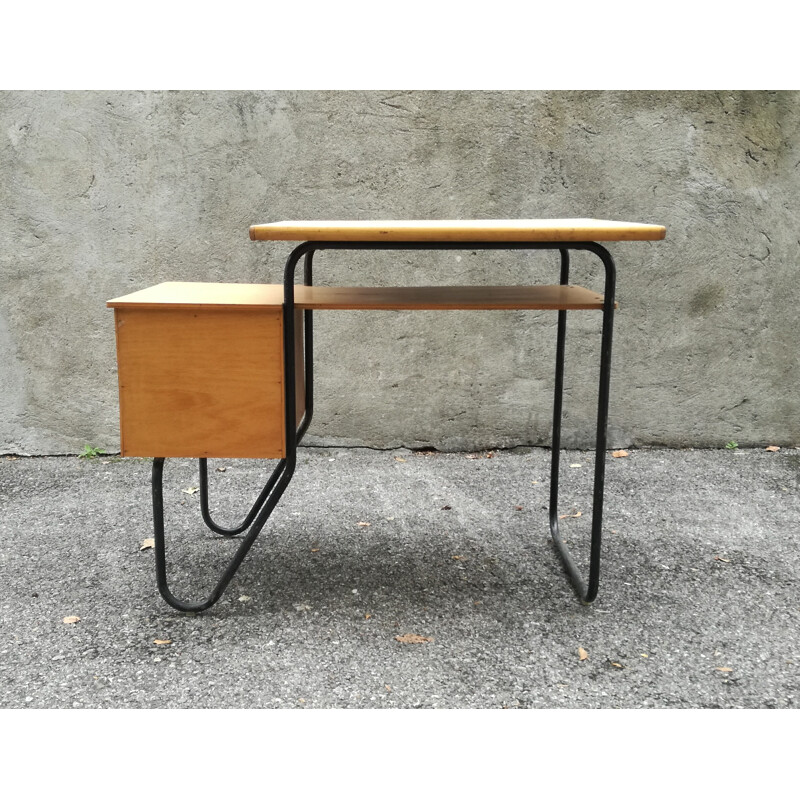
column 201, row 371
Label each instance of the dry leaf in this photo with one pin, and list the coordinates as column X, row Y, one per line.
column 367, row 616
column 620, row 454
column 719, row 558
column 413, row 638
column 582, row 654
column 147, row 543
column 364, row 524
column 190, row 490
column 446, row 508
column 162, row 641
column 490, row 454
column 221, row 469
column 567, row 516
column 315, row 549
column 725, row 669
column 71, row 620
column 457, row 558
column 616, row 664
column 401, row 460
column 773, row 448
column 388, row 688
column 245, row 598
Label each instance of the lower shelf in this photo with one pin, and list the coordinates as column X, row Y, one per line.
column 219, row 295
column 447, row 297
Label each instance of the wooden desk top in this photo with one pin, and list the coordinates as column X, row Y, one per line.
column 465, row 230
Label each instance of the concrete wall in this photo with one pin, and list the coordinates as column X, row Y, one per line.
column 104, row 193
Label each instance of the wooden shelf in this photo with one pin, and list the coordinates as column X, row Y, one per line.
column 256, row 295
column 447, row 297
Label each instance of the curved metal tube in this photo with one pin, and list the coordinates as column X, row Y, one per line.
column 586, row 592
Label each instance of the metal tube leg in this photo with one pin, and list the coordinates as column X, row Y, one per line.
column 587, row 593
column 160, row 546
column 260, row 500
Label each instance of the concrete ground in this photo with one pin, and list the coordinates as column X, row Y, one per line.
column 698, row 604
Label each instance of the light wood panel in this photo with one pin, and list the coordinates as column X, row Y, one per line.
column 270, row 296
column 200, row 383
column 446, row 297
column 185, row 294
column 486, row 230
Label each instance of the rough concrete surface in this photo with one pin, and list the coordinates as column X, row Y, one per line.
column 698, row 604
column 102, row 193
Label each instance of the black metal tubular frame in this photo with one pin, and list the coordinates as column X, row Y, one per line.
column 261, row 510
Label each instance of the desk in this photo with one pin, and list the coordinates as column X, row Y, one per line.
column 226, row 370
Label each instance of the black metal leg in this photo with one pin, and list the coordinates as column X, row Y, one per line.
column 233, row 566
column 587, row 593
column 251, row 515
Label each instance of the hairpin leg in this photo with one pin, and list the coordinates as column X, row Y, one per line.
column 586, row 592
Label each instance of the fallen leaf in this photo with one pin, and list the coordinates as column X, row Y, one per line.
column 773, row 448
column 566, row 516
column 71, row 620
column 245, row 598
column 620, row 454
column 719, row 558
column 446, row 508
column 576, row 466
column 221, row 469
column 616, row 664
column 315, row 549
column 162, row 641
column 148, row 543
column 490, row 454
column 388, row 688
column 364, row 524
column 582, row 654
column 401, row 460
column 190, row 490
column 367, row 616
column 457, row 558
column 725, row 669
column 533, row 483
column 473, row 455
column 413, row 638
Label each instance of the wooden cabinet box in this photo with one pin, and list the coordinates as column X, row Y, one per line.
column 201, row 370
